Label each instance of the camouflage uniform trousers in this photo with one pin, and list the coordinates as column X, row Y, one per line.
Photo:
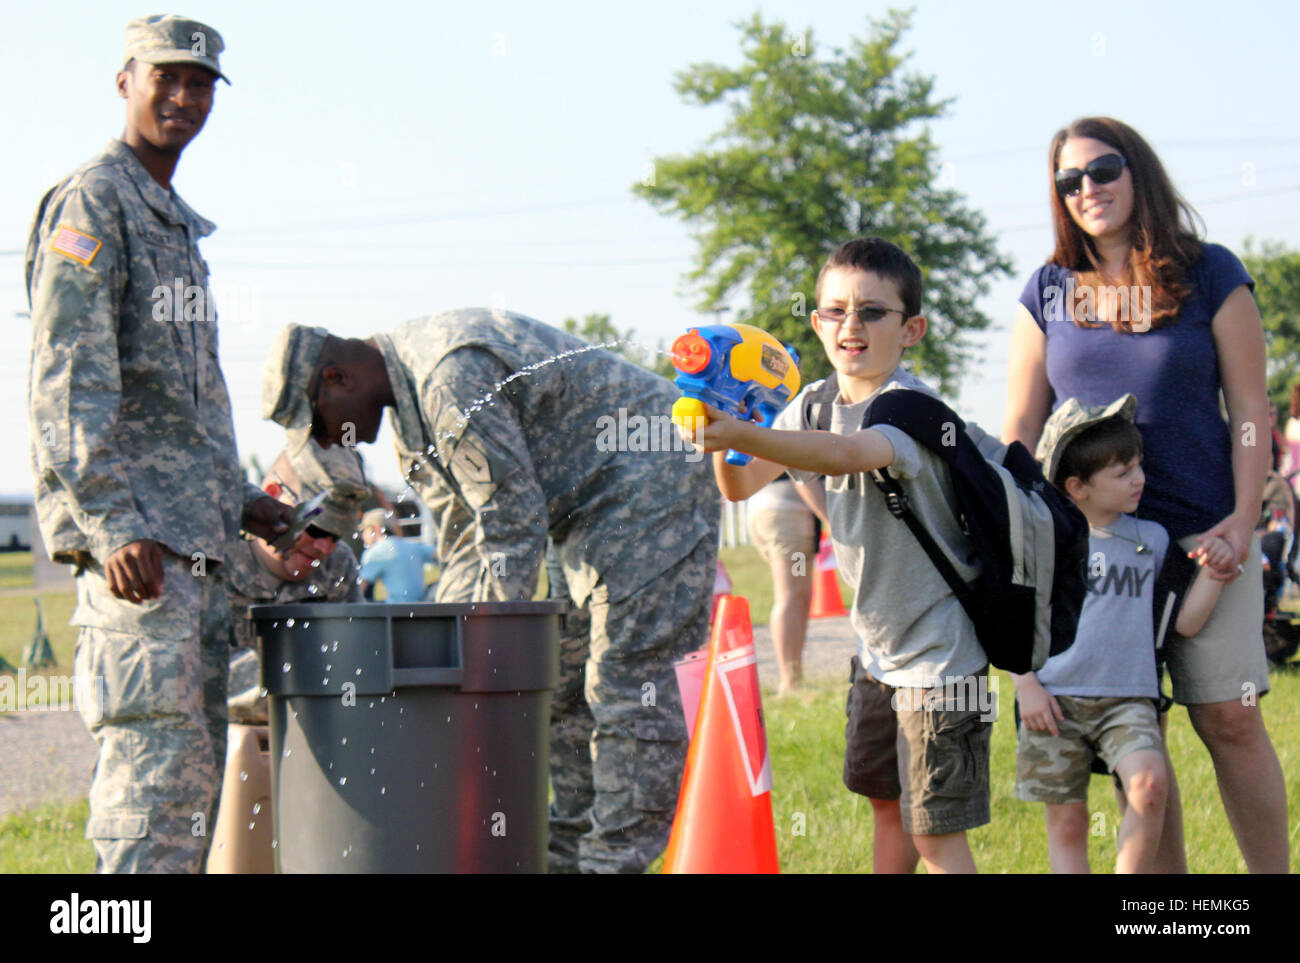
column 161, row 729
column 1057, row 769
column 618, row 736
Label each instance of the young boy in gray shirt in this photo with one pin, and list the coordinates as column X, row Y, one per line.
column 1098, row 698
column 915, row 636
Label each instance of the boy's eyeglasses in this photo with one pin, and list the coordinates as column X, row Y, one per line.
column 1101, row 170
column 866, row 314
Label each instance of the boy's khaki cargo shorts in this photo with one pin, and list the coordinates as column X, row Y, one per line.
column 933, row 759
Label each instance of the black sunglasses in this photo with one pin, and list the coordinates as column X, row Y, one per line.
column 866, row 315
column 1100, row 170
column 315, row 531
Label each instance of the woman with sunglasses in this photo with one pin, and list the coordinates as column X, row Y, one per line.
column 1131, row 300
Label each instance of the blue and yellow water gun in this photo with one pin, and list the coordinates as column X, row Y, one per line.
column 736, row 367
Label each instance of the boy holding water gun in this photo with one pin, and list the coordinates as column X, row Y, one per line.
column 930, row 755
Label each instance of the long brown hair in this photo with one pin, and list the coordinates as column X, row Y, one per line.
column 1162, row 226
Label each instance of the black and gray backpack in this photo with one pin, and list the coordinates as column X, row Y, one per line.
column 1031, row 541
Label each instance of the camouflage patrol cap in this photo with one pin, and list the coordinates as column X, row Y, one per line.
column 290, row 364
column 169, row 39
column 298, row 476
column 1069, row 420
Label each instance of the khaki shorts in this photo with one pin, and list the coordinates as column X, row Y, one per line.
column 1226, row 659
column 783, row 535
column 934, row 761
column 1057, row 769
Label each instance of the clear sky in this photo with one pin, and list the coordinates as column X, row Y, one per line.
column 376, row 162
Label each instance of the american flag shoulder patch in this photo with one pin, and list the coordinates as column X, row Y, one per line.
column 72, row 243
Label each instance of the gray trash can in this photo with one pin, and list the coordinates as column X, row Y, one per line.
column 410, row 738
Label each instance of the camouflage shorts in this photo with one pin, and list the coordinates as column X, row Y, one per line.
column 1056, row 769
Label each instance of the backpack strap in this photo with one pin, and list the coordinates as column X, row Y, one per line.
column 936, row 426
column 818, row 401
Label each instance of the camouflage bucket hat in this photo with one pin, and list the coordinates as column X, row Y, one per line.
column 169, row 39
column 1069, row 420
column 290, row 364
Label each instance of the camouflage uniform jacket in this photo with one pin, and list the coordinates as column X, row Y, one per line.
column 249, row 583
column 129, row 417
column 539, row 452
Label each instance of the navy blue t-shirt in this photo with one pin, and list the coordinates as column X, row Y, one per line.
column 1174, row 372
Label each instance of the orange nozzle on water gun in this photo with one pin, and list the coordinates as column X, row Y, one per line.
column 736, row 367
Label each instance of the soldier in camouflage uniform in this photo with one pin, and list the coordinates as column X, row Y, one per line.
column 512, row 429
column 133, row 451
column 320, row 567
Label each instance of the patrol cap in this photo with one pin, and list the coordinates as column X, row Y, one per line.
column 301, row 475
column 1071, row 419
column 169, row 39
column 379, row 518
column 290, row 364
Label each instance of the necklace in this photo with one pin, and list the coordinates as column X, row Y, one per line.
column 1142, row 547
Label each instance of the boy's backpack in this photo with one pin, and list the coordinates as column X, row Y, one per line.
column 1031, row 541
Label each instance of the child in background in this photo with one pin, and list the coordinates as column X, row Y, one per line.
column 1099, row 698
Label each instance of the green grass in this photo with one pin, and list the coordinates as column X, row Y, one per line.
column 49, row 839
column 15, row 569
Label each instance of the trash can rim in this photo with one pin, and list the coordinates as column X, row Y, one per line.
column 384, row 610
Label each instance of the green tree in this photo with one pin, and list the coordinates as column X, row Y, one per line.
column 1276, row 271
column 816, row 151
column 600, row 329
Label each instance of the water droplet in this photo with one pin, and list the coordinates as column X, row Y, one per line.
column 358, row 671
column 289, row 623
column 257, row 808
column 336, row 645
column 324, row 648
column 383, row 790
column 306, row 624
column 287, row 751
column 243, row 777
column 286, row 667
column 328, row 666
column 261, row 694
column 251, row 825
column 343, row 741
column 343, row 780
column 372, row 772
column 275, row 843
column 325, row 681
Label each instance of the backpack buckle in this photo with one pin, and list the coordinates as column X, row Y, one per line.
column 896, row 502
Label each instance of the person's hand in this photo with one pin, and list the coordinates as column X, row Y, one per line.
column 1215, row 552
column 1237, row 531
column 267, row 517
column 135, row 571
column 1039, row 709
column 718, row 434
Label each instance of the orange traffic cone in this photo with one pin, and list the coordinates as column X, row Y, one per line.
column 724, row 814
column 826, row 601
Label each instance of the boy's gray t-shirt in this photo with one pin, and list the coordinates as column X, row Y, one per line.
column 1113, row 654
column 912, row 630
